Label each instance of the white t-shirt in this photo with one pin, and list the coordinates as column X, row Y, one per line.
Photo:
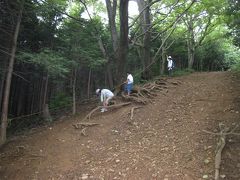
column 170, row 62
column 105, row 93
column 129, row 79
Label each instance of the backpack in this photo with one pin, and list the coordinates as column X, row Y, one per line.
column 173, row 64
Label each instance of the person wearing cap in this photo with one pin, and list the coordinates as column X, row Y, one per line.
column 105, row 96
column 170, row 65
column 129, row 83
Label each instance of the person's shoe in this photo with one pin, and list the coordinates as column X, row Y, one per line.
column 103, row 110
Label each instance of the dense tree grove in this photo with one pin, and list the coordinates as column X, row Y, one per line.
column 55, row 53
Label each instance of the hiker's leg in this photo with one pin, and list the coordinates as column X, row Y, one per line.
column 108, row 100
column 125, row 87
column 129, row 88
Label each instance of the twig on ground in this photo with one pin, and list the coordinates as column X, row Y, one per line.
column 224, row 131
column 132, row 110
column 83, row 131
column 82, row 125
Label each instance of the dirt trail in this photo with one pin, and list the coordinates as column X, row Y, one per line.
column 164, row 140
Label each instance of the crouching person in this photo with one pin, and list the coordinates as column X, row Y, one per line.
column 105, row 96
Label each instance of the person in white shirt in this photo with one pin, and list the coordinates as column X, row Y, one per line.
column 105, row 96
column 129, row 83
column 170, row 65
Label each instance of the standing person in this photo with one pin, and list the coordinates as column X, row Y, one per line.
column 105, row 96
column 170, row 65
column 129, row 83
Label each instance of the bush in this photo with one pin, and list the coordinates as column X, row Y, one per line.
column 60, row 100
column 183, row 72
column 236, row 67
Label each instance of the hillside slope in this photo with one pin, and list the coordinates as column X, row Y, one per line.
column 164, row 140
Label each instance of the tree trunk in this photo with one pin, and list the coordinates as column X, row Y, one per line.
column 191, row 52
column 4, row 118
column 162, row 64
column 74, row 90
column 145, row 22
column 2, row 85
column 109, row 75
column 45, row 90
column 41, row 89
column 147, row 41
column 123, row 47
column 46, row 114
column 89, row 82
column 108, row 66
column 32, row 99
column 192, row 41
column 111, row 10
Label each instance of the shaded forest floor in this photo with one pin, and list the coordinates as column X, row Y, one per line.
column 164, row 140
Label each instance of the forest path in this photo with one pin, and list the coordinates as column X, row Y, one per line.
column 164, row 140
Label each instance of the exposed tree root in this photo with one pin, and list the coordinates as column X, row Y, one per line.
column 132, row 111
column 140, row 94
column 88, row 116
column 83, row 127
column 143, row 94
column 224, row 131
column 135, row 97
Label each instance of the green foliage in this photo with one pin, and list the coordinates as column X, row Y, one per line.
column 182, row 72
column 137, row 77
column 79, row 43
column 232, row 18
column 236, row 67
column 51, row 61
column 233, row 59
column 210, row 60
column 60, row 100
column 223, row 55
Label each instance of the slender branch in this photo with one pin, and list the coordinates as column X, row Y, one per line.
column 177, row 19
column 61, row 12
column 140, row 13
column 205, row 31
column 20, row 77
column 5, row 52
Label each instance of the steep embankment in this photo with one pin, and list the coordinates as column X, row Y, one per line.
column 164, row 140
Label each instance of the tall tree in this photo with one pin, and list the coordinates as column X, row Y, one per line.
column 111, row 10
column 145, row 23
column 123, row 46
column 200, row 22
column 4, row 117
column 195, row 37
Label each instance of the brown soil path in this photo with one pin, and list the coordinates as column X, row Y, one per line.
column 164, row 140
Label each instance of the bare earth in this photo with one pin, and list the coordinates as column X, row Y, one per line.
column 164, row 140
